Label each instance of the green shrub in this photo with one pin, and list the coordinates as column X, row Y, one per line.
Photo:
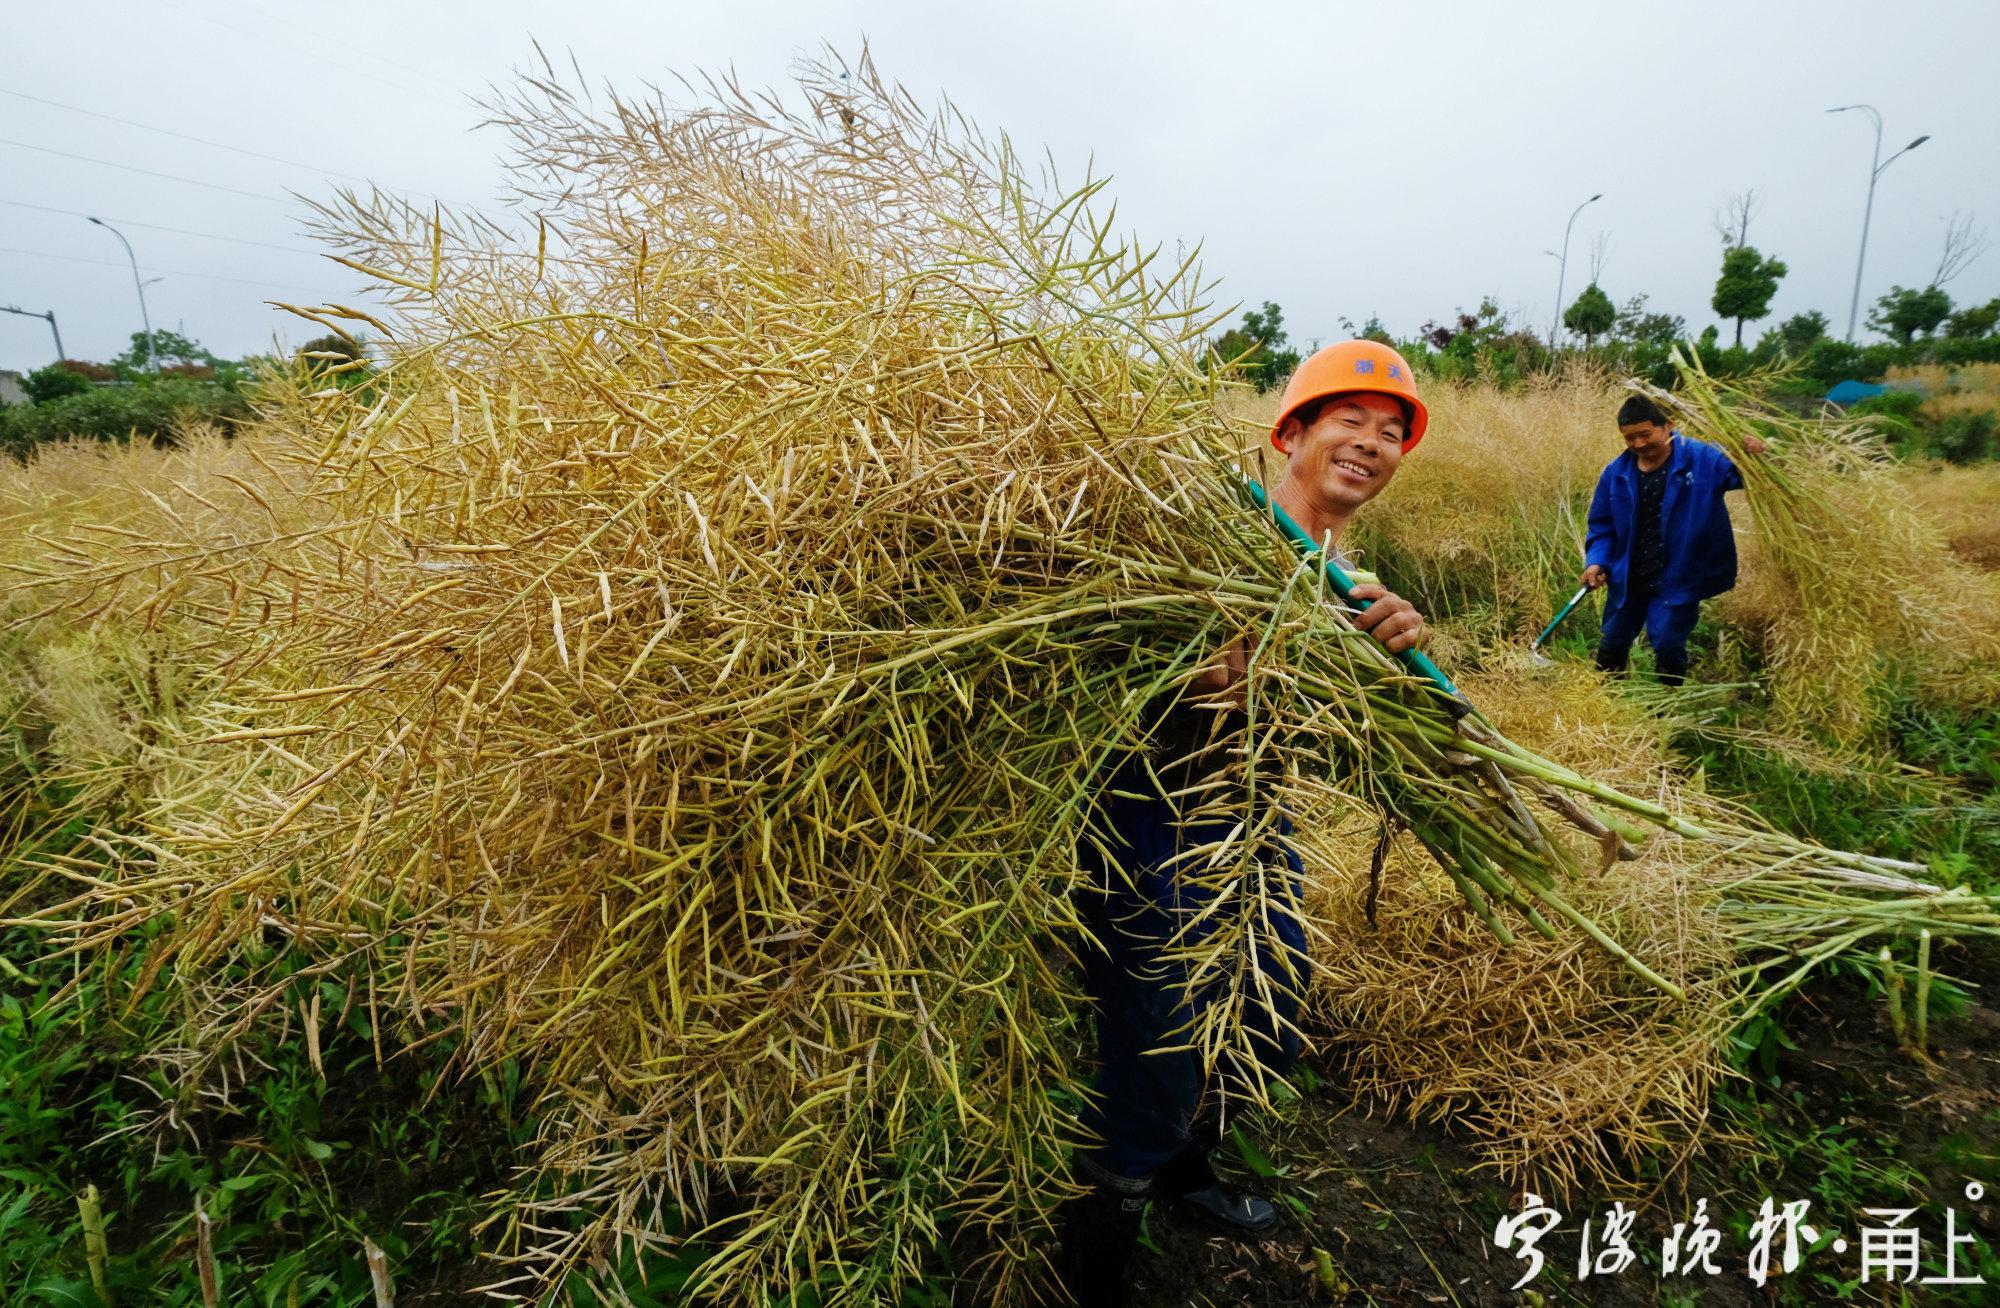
column 54, row 382
column 1974, row 349
column 1896, row 404
column 1484, row 344
column 1830, row 361
column 1895, row 414
column 1963, row 437
column 149, row 411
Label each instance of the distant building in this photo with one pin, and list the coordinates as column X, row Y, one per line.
column 10, row 388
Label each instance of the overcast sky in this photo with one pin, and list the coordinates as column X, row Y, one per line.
column 1342, row 159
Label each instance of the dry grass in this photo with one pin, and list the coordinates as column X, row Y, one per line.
column 101, row 668
column 1965, row 503
column 1960, row 388
column 106, row 488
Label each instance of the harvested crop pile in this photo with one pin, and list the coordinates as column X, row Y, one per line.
column 694, row 667
column 1563, row 1074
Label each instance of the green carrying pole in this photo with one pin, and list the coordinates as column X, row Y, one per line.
column 1343, row 586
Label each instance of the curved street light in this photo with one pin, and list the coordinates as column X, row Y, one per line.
column 145, row 319
column 1875, row 170
column 1562, row 268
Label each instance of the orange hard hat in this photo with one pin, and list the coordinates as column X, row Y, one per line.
column 1348, row 366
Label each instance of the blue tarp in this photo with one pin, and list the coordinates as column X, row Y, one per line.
column 1848, row 392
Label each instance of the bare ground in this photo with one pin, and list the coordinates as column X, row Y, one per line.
column 1405, row 1214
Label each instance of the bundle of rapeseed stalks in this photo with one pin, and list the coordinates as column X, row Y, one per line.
column 705, row 638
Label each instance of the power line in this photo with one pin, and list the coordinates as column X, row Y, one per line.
column 317, row 54
column 170, row 272
column 320, row 37
column 147, row 172
column 161, row 227
column 199, row 140
column 478, row 251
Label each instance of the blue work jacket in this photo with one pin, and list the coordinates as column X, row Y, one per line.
column 1701, row 549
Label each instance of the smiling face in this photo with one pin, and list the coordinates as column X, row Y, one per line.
column 1650, row 442
column 1346, row 454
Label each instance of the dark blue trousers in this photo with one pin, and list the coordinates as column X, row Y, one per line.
column 1667, row 627
column 1147, row 1094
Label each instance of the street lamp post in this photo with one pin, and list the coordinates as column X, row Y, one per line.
column 1876, row 167
column 1562, row 269
column 50, row 315
column 145, row 319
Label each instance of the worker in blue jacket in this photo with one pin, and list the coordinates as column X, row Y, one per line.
column 1659, row 539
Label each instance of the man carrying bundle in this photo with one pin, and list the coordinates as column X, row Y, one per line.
column 1346, row 419
column 1659, row 538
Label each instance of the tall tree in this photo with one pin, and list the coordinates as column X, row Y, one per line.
column 1732, row 220
column 1746, row 286
column 1974, row 320
column 1591, row 315
column 1640, row 326
column 1902, row 313
column 1963, row 243
column 1801, row 331
column 166, row 347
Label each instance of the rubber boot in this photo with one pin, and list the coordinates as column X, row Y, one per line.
column 1189, row 1178
column 1099, row 1236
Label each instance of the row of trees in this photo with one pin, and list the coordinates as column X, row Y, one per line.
column 1486, row 344
column 157, row 386
column 162, row 355
column 1639, row 338
column 1749, row 282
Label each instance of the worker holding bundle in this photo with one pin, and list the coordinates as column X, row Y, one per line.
column 1346, row 419
column 1659, row 539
